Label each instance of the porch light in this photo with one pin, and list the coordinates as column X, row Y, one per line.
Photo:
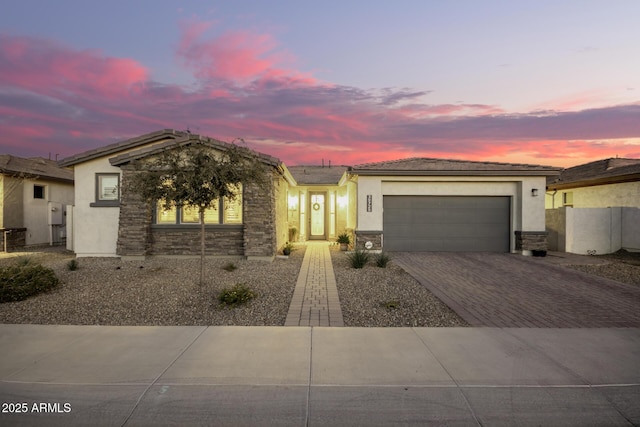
column 293, row 203
column 534, row 192
column 342, row 201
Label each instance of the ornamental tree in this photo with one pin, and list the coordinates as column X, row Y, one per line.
column 196, row 175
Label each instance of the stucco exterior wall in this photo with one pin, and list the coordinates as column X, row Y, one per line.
column 36, row 211
column 282, row 223
column 12, row 207
column 527, row 211
column 631, row 229
column 599, row 196
column 95, row 229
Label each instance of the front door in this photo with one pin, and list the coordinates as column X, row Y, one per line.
column 317, row 217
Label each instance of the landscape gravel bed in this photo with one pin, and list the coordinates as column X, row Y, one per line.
column 374, row 296
column 157, row 291
column 623, row 267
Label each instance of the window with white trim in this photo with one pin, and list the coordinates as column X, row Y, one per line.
column 229, row 211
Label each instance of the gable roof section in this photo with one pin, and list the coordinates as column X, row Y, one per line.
column 128, row 144
column 149, row 144
column 317, row 175
column 600, row 172
column 423, row 166
column 37, row 167
column 185, row 139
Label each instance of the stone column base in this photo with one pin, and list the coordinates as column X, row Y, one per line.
column 529, row 242
column 364, row 236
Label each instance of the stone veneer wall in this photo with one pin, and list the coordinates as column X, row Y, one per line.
column 374, row 237
column 218, row 240
column 259, row 219
column 134, row 228
column 255, row 238
column 531, row 240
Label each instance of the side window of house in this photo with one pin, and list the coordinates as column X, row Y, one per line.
column 231, row 213
column 567, row 198
column 107, row 189
column 38, row 191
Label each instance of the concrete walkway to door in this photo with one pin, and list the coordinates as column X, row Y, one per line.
column 315, row 299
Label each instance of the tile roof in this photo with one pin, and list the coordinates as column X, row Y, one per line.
column 121, row 146
column 162, row 139
column 432, row 166
column 184, row 140
column 606, row 171
column 317, row 175
column 38, row 167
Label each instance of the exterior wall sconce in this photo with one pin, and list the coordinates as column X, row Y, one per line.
column 534, row 192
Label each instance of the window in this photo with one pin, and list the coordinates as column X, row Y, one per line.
column 567, row 198
column 227, row 212
column 107, row 189
column 38, row 191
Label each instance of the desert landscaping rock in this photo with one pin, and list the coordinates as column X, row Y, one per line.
column 165, row 291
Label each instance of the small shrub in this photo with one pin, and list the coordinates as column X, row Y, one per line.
column 344, row 239
column 72, row 265
column 23, row 261
column 238, row 294
column 391, row 305
column 382, row 259
column 359, row 258
column 229, row 267
column 24, row 279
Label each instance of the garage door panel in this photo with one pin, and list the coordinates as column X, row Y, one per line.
column 442, row 223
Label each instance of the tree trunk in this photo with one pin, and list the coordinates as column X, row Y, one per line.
column 201, row 246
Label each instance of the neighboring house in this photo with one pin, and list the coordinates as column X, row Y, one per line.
column 594, row 208
column 423, row 204
column 33, row 195
column 405, row 205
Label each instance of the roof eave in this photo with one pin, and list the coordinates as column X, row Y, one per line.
column 386, row 172
column 117, row 147
column 593, row 182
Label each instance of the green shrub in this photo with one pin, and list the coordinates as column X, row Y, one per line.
column 238, row 294
column 24, row 279
column 382, row 259
column 72, row 265
column 229, row 267
column 359, row 258
column 391, row 305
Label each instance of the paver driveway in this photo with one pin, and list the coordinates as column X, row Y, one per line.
column 509, row 290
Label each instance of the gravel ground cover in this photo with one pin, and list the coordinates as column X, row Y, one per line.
column 156, row 291
column 165, row 291
column 623, row 267
column 374, row 296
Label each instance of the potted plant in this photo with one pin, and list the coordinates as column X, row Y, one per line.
column 344, row 241
column 287, row 248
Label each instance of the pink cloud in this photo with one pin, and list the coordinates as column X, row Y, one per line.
column 237, row 56
column 48, row 68
column 54, row 97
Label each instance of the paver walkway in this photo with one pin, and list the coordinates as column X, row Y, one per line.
column 315, row 299
column 508, row 290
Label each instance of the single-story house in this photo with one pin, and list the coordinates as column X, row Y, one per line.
column 406, row 205
column 594, row 208
column 33, row 195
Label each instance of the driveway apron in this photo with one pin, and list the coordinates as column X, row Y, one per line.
column 509, row 290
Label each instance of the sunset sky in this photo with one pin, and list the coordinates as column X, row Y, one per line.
column 545, row 82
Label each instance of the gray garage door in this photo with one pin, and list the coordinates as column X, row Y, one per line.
column 446, row 223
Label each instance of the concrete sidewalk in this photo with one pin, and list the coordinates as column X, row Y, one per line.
column 298, row 376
